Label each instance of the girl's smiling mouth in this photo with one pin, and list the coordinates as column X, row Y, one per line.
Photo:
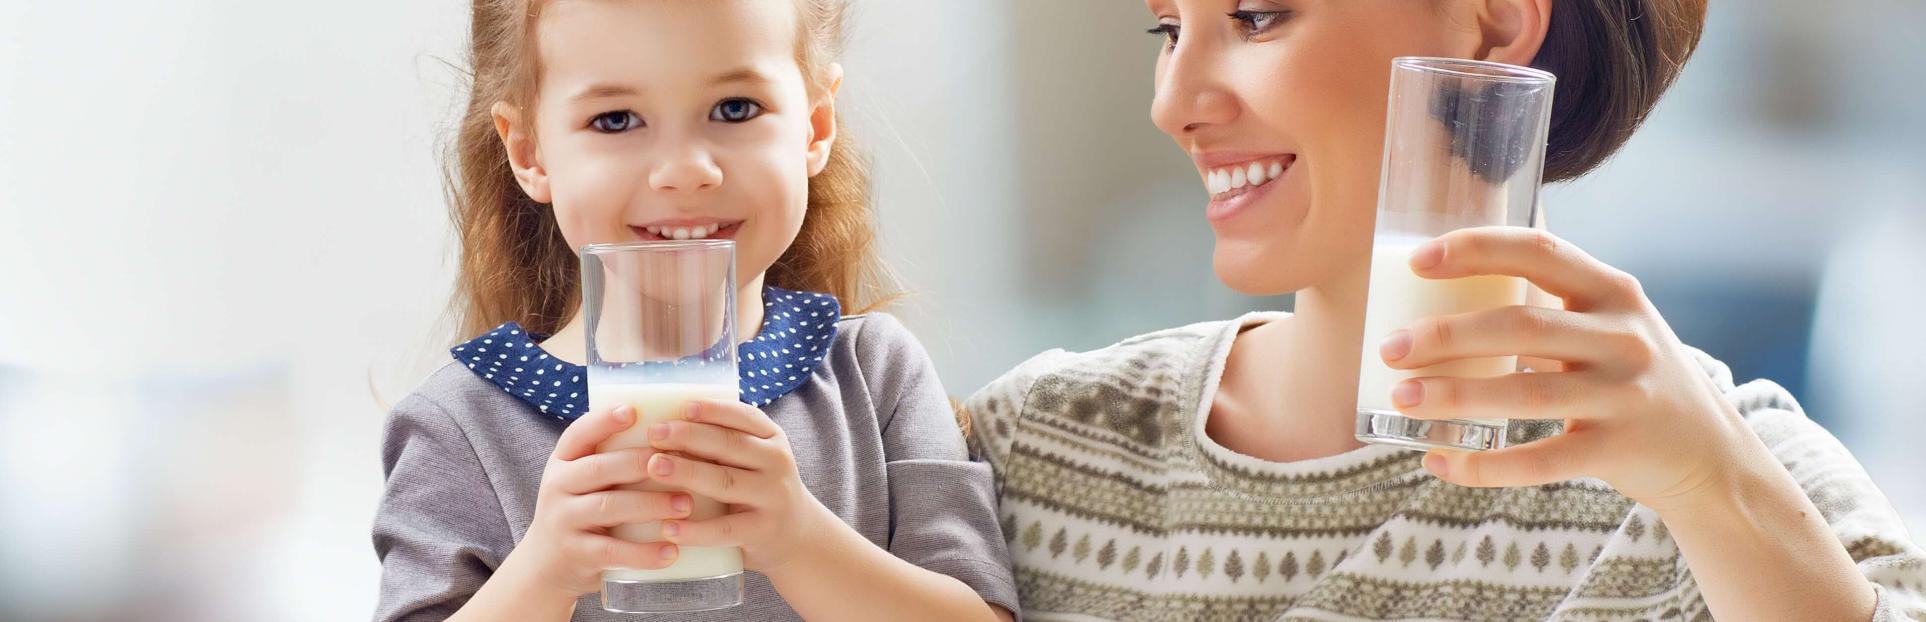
column 688, row 229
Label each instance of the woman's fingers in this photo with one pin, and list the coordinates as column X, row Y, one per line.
column 1553, row 264
column 1557, row 395
column 588, row 432
column 1555, row 459
column 618, row 507
column 1506, row 331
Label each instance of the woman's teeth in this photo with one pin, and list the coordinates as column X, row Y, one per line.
column 1247, row 175
column 685, row 233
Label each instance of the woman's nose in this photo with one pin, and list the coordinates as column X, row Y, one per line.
column 1190, row 93
column 685, row 170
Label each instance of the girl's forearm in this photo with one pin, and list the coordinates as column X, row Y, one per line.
column 512, row 594
column 1760, row 550
column 842, row 576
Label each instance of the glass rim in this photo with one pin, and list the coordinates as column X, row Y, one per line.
column 1475, row 69
column 656, row 245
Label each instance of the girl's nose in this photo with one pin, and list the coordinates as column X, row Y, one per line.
column 690, row 171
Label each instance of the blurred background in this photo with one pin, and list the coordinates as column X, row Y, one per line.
column 224, row 251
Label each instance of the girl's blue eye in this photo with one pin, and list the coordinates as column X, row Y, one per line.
column 735, row 111
column 615, row 122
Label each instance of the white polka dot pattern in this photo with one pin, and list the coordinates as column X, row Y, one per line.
column 797, row 330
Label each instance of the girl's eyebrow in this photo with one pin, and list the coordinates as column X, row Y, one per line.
column 741, row 74
column 601, row 90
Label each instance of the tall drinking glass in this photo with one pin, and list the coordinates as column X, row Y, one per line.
column 661, row 332
column 1464, row 146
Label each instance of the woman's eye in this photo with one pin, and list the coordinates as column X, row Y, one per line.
column 735, row 111
column 1168, row 32
column 615, row 122
column 1254, row 23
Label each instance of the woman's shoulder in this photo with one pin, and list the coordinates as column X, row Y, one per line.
column 1160, row 359
column 1143, row 387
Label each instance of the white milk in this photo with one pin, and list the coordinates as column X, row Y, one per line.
column 655, row 403
column 1398, row 298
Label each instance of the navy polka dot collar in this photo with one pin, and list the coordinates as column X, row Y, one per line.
column 797, row 330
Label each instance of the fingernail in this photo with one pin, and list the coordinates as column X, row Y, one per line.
column 681, row 503
column 1395, row 346
column 671, row 529
column 659, row 431
column 668, row 550
column 623, row 413
column 1407, row 394
column 1427, row 255
column 694, row 410
column 662, row 465
column 1435, row 463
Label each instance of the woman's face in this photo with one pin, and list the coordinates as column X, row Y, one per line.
column 1280, row 103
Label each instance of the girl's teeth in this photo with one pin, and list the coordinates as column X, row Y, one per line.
column 1237, row 177
column 1277, row 170
column 1255, row 174
column 697, row 232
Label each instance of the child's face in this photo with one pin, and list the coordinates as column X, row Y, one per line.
column 668, row 119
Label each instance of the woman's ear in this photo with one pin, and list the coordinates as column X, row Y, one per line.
column 524, row 156
column 822, row 120
column 1512, row 30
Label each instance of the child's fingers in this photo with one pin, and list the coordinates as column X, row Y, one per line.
column 735, row 415
column 722, row 483
column 725, row 530
column 619, row 507
column 585, row 434
column 612, row 552
column 598, row 471
column 716, row 444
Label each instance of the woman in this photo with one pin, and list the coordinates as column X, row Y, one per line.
column 1210, row 472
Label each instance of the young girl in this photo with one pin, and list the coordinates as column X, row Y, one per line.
column 850, row 491
column 1210, row 472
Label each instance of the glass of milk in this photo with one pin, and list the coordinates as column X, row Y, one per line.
column 661, row 320
column 1464, row 146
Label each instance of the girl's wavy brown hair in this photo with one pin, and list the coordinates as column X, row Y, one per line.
column 514, row 263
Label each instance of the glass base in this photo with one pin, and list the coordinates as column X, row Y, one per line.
column 674, row 596
column 1390, row 428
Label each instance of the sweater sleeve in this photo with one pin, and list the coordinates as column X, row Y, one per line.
column 1865, row 522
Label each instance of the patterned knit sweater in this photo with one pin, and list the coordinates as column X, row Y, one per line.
column 1118, row 507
